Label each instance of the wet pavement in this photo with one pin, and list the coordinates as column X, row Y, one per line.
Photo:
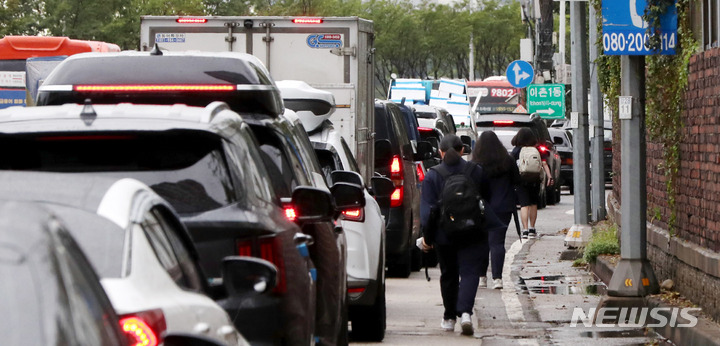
column 535, row 307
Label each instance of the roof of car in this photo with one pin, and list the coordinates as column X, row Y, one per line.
column 120, row 117
column 504, row 116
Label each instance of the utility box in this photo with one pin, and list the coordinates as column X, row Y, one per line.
column 328, row 53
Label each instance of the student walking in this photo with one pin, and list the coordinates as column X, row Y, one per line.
column 531, row 165
column 502, row 175
column 459, row 258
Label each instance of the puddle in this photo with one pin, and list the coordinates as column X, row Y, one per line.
column 563, row 285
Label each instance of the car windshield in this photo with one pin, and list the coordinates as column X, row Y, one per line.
column 190, row 174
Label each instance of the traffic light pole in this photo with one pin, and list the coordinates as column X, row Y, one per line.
column 634, row 276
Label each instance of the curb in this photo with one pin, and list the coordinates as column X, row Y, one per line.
column 704, row 333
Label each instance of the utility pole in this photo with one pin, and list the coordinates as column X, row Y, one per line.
column 579, row 233
column 634, row 276
column 597, row 122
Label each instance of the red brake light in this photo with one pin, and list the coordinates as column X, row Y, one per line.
column 396, row 168
column 307, row 20
column 396, row 198
column 155, row 88
column 144, row 328
column 503, row 122
column 356, row 290
column 425, row 129
column 269, row 249
column 420, row 173
column 354, row 214
column 290, row 213
column 542, row 148
column 608, row 148
column 567, row 161
column 191, row 20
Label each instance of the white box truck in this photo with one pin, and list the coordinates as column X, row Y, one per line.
column 329, row 53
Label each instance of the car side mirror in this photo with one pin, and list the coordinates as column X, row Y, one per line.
column 424, row 151
column 346, row 177
column 465, row 139
column 558, row 140
column 181, row 339
column 467, row 149
column 383, row 153
column 243, row 276
column 312, row 204
column 348, row 196
column 382, row 187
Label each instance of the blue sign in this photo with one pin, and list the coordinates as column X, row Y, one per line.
column 520, row 73
column 324, row 41
column 12, row 97
column 624, row 30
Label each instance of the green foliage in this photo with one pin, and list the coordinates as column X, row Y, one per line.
column 665, row 104
column 602, row 242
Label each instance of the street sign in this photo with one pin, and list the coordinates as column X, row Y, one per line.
column 520, row 73
column 624, row 28
column 547, row 99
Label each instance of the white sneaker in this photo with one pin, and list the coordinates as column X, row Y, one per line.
column 497, row 284
column 483, row 282
column 525, row 234
column 466, row 324
column 448, row 325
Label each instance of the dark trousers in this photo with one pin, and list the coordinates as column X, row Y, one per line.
column 495, row 252
column 460, row 274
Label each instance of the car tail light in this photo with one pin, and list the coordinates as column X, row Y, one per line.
column 608, row 148
column 396, row 198
column 155, row 88
column 356, row 290
column 396, row 170
column 420, row 173
column 290, row 213
column 567, row 161
column 425, row 129
column 307, row 20
column 503, row 122
column 144, row 328
column 542, row 148
column 354, row 215
column 269, row 249
column 191, row 20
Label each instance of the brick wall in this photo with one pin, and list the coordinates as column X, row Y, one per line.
column 698, row 186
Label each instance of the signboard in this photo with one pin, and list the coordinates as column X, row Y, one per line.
column 12, row 97
column 321, row 41
column 625, row 109
column 520, row 73
column 624, row 28
column 548, row 100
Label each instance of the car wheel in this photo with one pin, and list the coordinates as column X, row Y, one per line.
column 402, row 267
column 571, row 186
column 369, row 322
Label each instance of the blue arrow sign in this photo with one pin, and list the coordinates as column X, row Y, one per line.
column 520, row 73
column 624, row 28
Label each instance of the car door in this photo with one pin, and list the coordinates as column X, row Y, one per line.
column 211, row 319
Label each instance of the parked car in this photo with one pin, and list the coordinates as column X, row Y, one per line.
column 50, row 293
column 513, row 122
column 241, row 80
column 562, row 138
column 395, row 159
column 364, row 227
column 143, row 254
column 205, row 163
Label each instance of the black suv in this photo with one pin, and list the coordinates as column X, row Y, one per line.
column 513, row 122
column 205, row 163
column 395, row 157
column 240, row 80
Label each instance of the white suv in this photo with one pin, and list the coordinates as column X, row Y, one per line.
column 364, row 227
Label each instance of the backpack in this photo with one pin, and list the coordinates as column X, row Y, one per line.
column 461, row 208
column 530, row 165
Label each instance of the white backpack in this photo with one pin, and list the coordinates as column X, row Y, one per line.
column 530, row 165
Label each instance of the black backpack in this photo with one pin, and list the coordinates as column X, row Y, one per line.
column 461, row 208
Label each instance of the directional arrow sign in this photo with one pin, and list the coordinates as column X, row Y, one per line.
column 520, row 73
column 548, row 100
